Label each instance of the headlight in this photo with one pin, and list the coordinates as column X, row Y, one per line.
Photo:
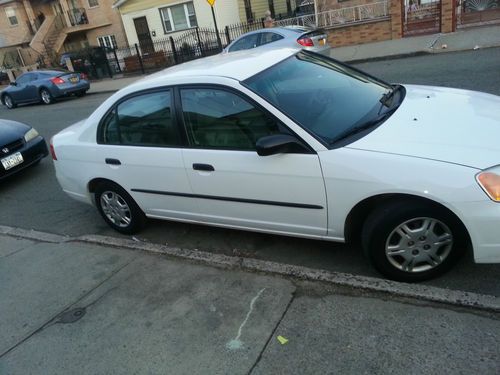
column 489, row 180
column 30, row 134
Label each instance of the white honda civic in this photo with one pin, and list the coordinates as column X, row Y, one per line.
column 295, row 143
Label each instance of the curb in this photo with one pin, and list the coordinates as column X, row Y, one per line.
column 430, row 51
column 369, row 284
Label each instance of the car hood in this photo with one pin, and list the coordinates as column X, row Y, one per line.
column 449, row 125
column 11, row 131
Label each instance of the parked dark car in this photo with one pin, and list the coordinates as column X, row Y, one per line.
column 44, row 86
column 20, row 147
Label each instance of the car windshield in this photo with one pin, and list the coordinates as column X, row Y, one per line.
column 325, row 97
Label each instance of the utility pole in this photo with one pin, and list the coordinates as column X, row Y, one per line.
column 212, row 4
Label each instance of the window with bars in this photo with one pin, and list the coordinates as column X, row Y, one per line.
column 178, row 17
column 108, row 41
column 11, row 15
column 93, row 3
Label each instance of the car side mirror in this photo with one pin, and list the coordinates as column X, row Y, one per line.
column 279, row 144
column 13, row 83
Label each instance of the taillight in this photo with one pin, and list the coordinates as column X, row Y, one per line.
column 52, row 151
column 306, row 42
column 57, row 81
column 83, row 76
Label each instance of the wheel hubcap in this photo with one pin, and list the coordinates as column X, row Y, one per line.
column 419, row 244
column 116, row 209
column 8, row 101
column 45, row 97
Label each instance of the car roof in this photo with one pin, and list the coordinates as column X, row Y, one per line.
column 238, row 65
column 287, row 31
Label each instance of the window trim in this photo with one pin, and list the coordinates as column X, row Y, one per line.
column 182, row 123
column 14, row 16
column 171, row 19
column 113, row 46
column 114, row 107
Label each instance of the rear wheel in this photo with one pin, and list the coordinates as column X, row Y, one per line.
column 119, row 209
column 409, row 241
column 9, row 102
column 46, row 97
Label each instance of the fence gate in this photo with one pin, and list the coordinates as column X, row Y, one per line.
column 477, row 12
column 421, row 17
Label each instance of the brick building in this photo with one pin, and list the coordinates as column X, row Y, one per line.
column 31, row 30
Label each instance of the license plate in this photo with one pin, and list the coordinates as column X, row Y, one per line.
column 322, row 42
column 73, row 80
column 12, row 160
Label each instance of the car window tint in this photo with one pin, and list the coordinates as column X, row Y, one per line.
column 25, row 78
column 247, row 42
column 323, row 96
column 144, row 120
column 217, row 118
column 269, row 37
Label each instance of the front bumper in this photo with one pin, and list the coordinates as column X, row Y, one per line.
column 32, row 152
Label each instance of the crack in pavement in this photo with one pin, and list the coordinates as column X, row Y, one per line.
column 266, row 345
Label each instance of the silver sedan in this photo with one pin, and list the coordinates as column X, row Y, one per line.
column 290, row 36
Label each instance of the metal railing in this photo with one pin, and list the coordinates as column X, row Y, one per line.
column 342, row 16
column 78, row 16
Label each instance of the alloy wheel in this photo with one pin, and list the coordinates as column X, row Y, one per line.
column 46, row 97
column 8, row 102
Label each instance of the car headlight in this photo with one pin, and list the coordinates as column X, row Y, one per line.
column 30, row 134
column 489, row 180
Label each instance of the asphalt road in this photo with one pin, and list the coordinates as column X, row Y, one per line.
column 34, row 200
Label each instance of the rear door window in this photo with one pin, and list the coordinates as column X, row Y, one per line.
column 269, row 37
column 247, row 42
column 142, row 120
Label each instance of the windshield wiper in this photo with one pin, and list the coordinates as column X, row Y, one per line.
column 386, row 99
column 364, row 126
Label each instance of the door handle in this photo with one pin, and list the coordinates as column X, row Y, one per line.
column 113, row 161
column 203, row 167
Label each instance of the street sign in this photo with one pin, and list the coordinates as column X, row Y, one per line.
column 211, row 2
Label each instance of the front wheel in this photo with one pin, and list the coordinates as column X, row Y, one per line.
column 412, row 242
column 119, row 209
column 46, row 96
column 9, row 102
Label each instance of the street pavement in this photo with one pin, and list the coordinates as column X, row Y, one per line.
column 70, row 306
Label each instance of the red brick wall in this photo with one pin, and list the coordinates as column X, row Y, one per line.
column 447, row 16
column 359, row 34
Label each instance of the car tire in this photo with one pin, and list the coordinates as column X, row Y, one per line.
column 413, row 241
column 46, row 97
column 119, row 209
column 9, row 102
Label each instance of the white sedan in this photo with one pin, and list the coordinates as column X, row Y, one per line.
column 295, row 143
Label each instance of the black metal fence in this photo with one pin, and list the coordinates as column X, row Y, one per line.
column 150, row 56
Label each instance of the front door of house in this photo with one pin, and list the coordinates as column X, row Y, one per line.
column 142, row 30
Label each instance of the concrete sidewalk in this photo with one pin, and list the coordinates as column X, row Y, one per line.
column 69, row 305
column 468, row 39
